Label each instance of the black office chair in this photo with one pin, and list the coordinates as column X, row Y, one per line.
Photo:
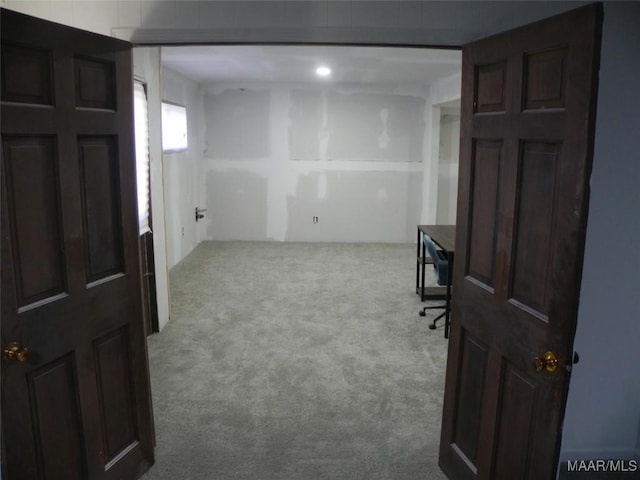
column 441, row 270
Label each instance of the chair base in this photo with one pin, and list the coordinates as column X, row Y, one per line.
column 433, row 324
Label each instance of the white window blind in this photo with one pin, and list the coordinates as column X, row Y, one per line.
column 141, row 118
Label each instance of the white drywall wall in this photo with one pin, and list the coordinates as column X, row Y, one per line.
column 278, row 155
column 442, row 95
column 603, row 408
column 182, row 170
column 448, row 160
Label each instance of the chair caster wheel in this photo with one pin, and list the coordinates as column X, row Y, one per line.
column 422, row 313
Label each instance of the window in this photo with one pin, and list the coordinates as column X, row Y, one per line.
column 174, row 127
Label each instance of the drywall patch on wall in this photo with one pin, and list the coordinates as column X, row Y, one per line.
column 306, row 124
column 303, row 205
column 383, row 138
column 359, row 206
column 447, row 89
column 238, row 124
column 374, row 126
column 298, row 176
column 236, row 205
column 355, row 126
column 322, row 186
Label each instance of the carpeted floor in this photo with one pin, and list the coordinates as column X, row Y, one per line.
column 297, row 361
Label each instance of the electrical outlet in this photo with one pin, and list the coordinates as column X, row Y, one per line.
column 315, row 219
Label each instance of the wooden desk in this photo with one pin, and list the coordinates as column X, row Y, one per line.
column 442, row 235
column 445, row 237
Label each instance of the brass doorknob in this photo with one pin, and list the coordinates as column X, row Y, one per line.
column 16, row 352
column 548, row 362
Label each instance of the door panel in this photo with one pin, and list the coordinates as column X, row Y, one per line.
column 101, row 209
column 534, row 234
column 54, row 397
column 26, row 75
column 545, row 78
column 117, row 404
column 486, row 179
column 490, row 87
column 34, row 216
column 515, row 408
column 77, row 404
column 469, row 401
column 528, row 102
column 95, row 83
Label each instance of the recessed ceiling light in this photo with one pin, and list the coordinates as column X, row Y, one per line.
column 323, row 71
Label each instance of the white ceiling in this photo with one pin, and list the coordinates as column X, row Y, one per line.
column 295, row 63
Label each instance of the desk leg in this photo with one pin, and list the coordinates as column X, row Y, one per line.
column 448, row 304
column 418, row 263
column 424, row 264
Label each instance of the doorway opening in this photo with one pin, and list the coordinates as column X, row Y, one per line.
column 275, row 157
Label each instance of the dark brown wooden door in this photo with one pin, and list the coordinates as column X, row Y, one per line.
column 78, row 406
column 528, row 99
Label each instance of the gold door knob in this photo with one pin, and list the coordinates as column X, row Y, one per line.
column 16, row 352
column 548, row 362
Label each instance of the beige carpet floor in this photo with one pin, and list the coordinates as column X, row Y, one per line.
column 297, row 361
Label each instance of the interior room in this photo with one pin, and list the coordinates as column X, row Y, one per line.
column 293, row 160
column 361, row 155
column 312, row 165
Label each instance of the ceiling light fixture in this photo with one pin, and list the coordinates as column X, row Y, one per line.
column 323, row 71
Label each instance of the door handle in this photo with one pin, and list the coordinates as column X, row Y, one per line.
column 548, row 362
column 16, row 352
